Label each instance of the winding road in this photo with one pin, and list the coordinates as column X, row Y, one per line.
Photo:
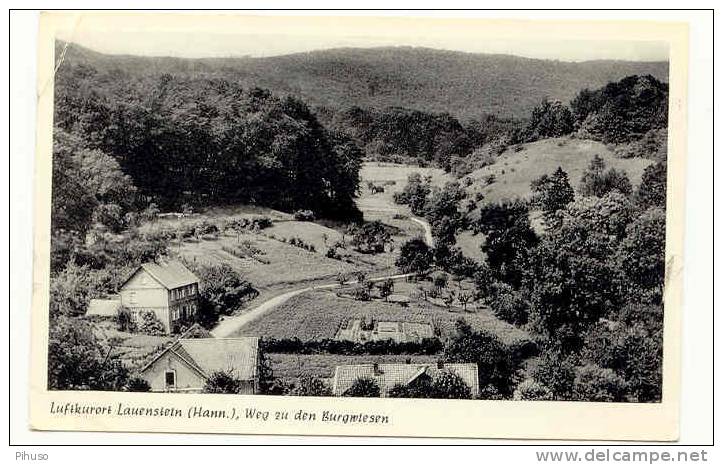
column 232, row 324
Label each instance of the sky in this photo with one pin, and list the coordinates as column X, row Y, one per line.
column 269, row 36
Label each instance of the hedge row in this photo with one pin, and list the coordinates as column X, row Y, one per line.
column 427, row 346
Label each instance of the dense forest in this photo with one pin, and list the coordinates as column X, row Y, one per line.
column 470, row 86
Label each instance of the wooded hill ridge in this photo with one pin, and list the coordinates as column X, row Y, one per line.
column 466, row 85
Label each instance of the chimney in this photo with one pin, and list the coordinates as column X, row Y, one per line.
column 377, row 371
column 408, row 361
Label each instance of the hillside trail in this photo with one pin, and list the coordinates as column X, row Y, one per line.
column 232, row 324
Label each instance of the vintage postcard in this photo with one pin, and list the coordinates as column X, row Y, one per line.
column 358, row 225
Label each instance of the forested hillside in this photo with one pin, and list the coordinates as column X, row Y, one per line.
column 466, row 85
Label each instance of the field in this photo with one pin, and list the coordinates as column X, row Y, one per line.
column 515, row 170
column 285, row 264
column 291, row 366
column 318, row 314
column 393, row 177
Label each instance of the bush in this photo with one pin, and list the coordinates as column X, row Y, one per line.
column 530, row 389
column 596, row 384
column 124, row 320
column 137, row 384
column 448, row 385
column 363, row 387
column 310, row 386
column 508, row 304
column 222, row 382
column 150, row 324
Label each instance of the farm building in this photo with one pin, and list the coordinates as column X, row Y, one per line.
column 398, row 331
column 188, row 363
column 406, row 374
column 168, row 289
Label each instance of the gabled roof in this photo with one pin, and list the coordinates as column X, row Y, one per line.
column 210, row 355
column 171, row 274
column 388, row 375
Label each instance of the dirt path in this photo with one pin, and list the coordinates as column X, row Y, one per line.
column 428, row 238
column 232, row 324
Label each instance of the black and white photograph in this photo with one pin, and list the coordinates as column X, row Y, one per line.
column 342, row 215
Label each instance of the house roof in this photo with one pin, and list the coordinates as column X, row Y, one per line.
column 103, row 307
column 388, row 375
column 210, row 355
column 171, row 274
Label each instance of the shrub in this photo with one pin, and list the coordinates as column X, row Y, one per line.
column 363, row 387
column 310, row 386
column 222, row 382
column 150, row 324
column 596, row 384
column 508, row 304
column 448, row 385
column 124, row 320
column 137, row 384
column 530, row 389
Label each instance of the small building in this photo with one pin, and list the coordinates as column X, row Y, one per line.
column 397, row 331
column 168, row 289
column 388, row 375
column 187, row 364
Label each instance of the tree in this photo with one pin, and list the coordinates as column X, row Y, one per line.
column 549, row 119
column 371, row 238
column 509, row 239
column 595, row 384
column 556, row 372
column 124, row 320
column 641, row 255
column 622, row 111
column 494, row 363
column 571, row 275
column 415, row 256
column 598, row 182
column 449, row 385
column 653, row 186
column 635, row 353
column 552, row 193
column 508, row 304
column 222, row 289
column 386, row 288
column 363, row 387
column 223, row 382
column 442, row 212
column 440, row 281
column 77, row 360
column 414, row 194
column 310, row 386
column 463, row 298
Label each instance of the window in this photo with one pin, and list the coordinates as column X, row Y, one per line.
column 132, row 298
column 183, row 292
column 170, row 379
column 192, row 289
